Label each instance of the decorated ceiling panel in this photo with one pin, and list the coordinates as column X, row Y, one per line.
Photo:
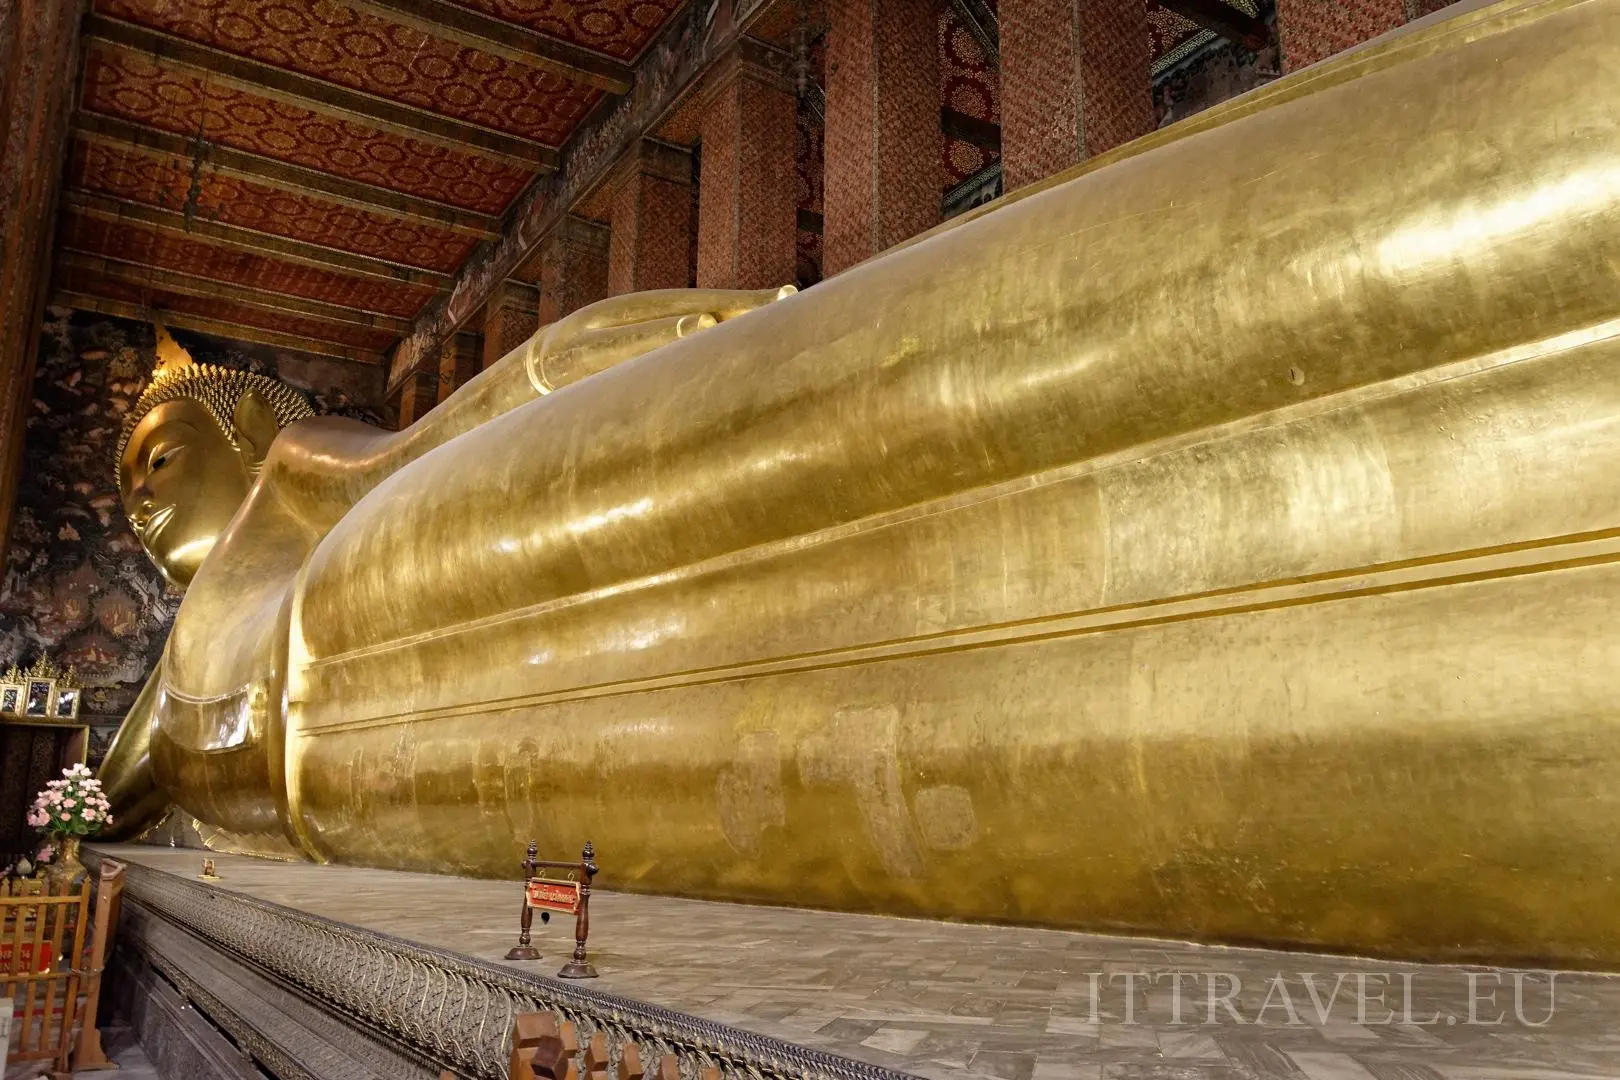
column 1174, row 39
column 134, row 87
column 138, row 244
column 616, row 28
column 1171, row 36
column 340, row 45
column 89, row 282
column 786, row 25
column 167, row 181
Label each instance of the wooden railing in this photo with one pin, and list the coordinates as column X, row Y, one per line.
column 41, row 938
column 51, row 977
column 88, row 1054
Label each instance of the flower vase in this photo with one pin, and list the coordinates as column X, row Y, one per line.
column 66, row 871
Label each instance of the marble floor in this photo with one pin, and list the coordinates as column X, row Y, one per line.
column 949, row 1001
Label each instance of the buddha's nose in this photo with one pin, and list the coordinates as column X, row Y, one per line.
column 141, row 514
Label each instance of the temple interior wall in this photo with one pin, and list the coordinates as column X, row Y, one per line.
column 77, row 586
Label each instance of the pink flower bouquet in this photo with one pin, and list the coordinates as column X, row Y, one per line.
column 71, row 806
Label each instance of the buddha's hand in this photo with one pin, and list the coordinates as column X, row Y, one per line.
column 611, row 331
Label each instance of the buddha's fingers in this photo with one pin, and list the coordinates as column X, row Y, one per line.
column 559, row 362
column 742, row 302
column 658, row 304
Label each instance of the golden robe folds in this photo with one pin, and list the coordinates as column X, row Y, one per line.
column 1219, row 543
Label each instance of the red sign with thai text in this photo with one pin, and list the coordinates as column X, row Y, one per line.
column 27, row 958
column 559, row 896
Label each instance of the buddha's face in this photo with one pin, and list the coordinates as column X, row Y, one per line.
column 181, row 482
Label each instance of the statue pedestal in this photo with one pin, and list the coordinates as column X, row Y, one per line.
column 799, row 993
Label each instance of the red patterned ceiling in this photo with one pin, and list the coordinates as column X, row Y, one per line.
column 138, row 244
column 332, row 42
column 134, row 87
column 166, row 181
column 90, row 283
column 617, row 28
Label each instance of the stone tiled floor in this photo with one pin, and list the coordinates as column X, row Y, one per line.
column 948, row 1001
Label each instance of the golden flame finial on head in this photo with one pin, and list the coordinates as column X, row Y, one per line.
column 172, row 357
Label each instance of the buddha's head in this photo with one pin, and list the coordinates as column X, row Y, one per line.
column 190, row 450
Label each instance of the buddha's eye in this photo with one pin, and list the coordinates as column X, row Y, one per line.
column 163, row 458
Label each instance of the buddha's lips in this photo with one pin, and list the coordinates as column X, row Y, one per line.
column 155, row 524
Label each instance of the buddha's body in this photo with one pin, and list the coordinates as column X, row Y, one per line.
column 1220, row 544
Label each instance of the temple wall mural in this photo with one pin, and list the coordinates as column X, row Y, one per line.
column 77, row 585
column 1193, row 69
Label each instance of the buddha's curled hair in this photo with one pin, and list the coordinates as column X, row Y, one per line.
column 217, row 389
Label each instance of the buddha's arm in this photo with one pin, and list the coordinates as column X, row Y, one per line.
column 1273, row 265
column 126, row 772
column 322, row 467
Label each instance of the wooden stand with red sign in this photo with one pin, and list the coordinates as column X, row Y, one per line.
column 565, row 896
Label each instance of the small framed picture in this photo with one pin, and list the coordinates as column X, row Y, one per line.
column 39, row 698
column 67, row 704
column 11, row 700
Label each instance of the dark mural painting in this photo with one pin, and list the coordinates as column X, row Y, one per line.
column 77, row 585
column 1193, row 69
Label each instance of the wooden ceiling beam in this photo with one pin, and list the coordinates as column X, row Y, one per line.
column 121, row 309
column 107, row 208
column 157, row 278
column 317, row 95
column 510, row 41
column 1223, row 20
column 283, row 176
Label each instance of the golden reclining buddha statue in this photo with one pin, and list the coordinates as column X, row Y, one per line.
column 1217, row 541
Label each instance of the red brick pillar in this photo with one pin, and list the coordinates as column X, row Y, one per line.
column 1076, row 80
column 459, row 360
column 511, row 317
column 573, row 268
column 1312, row 30
column 650, row 246
column 747, row 212
column 38, row 65
column 884, row 174
column 417, row 395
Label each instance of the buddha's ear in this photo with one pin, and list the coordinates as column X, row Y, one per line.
column 256, row 427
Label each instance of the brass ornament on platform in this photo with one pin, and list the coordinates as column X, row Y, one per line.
column 1217, row 542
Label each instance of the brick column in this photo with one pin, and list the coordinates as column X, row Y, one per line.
column 417, row 395
column 573, row 268
column 650, row 245
column 38, row 66
column 510, row 318
column 747, row 213
column 459, row 360
column 884, row 176
column 1076, row 80
column 1312, row 30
